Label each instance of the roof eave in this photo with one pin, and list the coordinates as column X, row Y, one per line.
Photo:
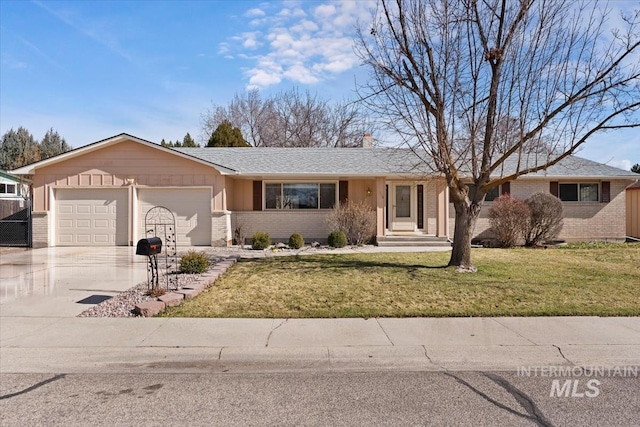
column 31, row 169
column 579, row 177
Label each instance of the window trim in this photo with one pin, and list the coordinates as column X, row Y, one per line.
column 578, row 184
column 295, row 181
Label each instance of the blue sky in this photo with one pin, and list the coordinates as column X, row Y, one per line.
column 93, row 69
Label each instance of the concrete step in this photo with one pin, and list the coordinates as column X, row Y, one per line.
column 412, row 240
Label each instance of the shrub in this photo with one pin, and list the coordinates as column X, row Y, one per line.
column 356, row 220
column 508, row 216
column 296, row 241
column 337, row 239
column 156, row 292
column 260, row 240
column 194, row 262
column 545, row 221
column 239, row 234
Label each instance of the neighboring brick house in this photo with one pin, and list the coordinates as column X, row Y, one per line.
column 99, row 194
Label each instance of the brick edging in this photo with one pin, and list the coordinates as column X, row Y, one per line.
column 172, row 299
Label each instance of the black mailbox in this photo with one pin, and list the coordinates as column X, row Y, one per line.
column 150, row 246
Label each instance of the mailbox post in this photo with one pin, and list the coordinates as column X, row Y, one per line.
column 151, row 247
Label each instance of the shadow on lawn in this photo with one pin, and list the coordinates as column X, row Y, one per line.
column 338, row 262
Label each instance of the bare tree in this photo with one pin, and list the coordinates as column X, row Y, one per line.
column 290, row 119
column 448, row 74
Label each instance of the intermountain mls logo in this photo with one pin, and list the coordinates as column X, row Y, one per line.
column 577, row 381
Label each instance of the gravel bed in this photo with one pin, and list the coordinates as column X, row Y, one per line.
column 122, row 305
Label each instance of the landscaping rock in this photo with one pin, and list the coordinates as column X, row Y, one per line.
column 281, row 246
column 197, row 286
column 189, row 293
column 171, row 299
column 149, row 308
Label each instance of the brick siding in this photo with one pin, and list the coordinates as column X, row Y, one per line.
column 583, row 221
column 281, row 224
column 40, row 229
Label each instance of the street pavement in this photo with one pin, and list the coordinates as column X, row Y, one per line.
column 378, row 398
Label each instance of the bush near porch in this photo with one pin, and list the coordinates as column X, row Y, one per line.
column 599, row 280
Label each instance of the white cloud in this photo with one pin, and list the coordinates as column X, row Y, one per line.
column 262, row 78
column 14, row 64
column 254, row 13
column 621, row 164
column 223, row 48
column 305, row 43
column 251, row 40
column 302, row 74
column 324, row 11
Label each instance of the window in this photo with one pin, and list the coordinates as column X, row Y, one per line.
column 300, row 195
column 492, row 194
column 7, row 189
column 578, row 192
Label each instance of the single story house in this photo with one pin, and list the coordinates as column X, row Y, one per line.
column 99, row 194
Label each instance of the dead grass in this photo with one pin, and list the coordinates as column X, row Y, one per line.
column 582, row 280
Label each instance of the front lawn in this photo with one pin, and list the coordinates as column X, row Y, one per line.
column 601, row 280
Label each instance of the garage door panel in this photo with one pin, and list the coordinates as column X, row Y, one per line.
column 91, row 217
column 103, row 210
column 191, row 208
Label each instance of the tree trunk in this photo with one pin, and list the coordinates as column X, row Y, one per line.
column 466, row 216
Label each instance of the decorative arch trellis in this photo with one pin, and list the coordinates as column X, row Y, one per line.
column 160, row 222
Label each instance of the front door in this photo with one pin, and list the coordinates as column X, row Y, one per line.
column 403, row 208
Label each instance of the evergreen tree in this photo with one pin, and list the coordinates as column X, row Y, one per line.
column 18, row 148
column 52, row 144
column 635, row 168
column 226, row 135
column 187, row 141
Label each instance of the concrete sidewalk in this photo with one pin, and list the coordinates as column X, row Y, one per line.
column 101, row 345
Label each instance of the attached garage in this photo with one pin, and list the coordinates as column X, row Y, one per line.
column 91, row 217
column 190, row 206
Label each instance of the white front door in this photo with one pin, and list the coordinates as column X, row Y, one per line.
column 403, row 207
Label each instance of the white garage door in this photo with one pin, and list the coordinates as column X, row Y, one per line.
column 91, row 217
column 191, row 208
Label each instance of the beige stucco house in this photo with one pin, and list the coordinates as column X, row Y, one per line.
column 99, row 194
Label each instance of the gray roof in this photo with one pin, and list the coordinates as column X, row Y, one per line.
column 308, row 161
column 573, row 167
column 263, row 161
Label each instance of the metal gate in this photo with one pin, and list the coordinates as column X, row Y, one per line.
column 15, row 223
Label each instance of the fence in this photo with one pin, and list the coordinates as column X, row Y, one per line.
column 15, row 223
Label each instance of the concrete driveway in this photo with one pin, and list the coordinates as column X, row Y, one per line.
column 63, row 282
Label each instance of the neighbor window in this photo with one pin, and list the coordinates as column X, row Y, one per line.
column 300, row 195
column 578, row 192
column 7, row 189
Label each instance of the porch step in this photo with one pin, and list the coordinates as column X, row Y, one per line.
column 412, row 240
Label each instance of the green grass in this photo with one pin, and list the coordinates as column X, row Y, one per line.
column 578, row 280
